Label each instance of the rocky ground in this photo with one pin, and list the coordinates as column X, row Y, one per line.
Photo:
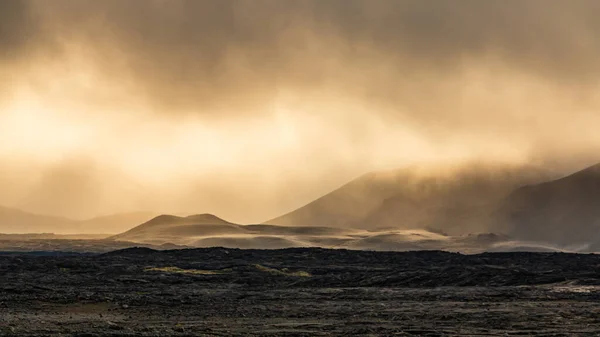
column 298, row 292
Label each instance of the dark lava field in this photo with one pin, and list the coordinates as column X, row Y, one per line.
column 298, row 292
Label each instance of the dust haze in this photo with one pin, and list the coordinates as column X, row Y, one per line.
column 249, row 109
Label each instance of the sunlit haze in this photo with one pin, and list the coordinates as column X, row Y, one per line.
column 249, row 109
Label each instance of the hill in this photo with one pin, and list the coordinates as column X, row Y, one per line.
column 171, row 228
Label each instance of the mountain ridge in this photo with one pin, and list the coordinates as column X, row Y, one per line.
column 416, row 198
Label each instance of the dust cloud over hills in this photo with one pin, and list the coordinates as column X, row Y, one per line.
column 469, row 208
column 455, row 200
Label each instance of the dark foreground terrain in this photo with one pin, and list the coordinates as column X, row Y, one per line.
column 298, row 292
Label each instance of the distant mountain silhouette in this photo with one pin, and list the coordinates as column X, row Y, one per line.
column 454, row 200
column 17, row 221
column 565, row 211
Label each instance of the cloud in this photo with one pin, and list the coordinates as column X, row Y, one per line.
column 192, row 54
column 16, row 27
column 295, row 93
column 198, row 54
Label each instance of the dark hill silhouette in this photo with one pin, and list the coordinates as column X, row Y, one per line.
column 565, row 211
column 456, row 200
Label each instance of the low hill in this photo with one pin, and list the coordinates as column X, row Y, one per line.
column 171, row 228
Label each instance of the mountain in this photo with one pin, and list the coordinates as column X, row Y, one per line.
column 17, row 221
column 452, row 199
column 564, row 211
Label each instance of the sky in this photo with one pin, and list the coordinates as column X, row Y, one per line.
column 251, row 108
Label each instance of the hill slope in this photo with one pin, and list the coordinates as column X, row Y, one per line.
column 456, row 200
column 564, row 211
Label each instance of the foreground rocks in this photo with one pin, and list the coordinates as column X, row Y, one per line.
column 301, row 292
